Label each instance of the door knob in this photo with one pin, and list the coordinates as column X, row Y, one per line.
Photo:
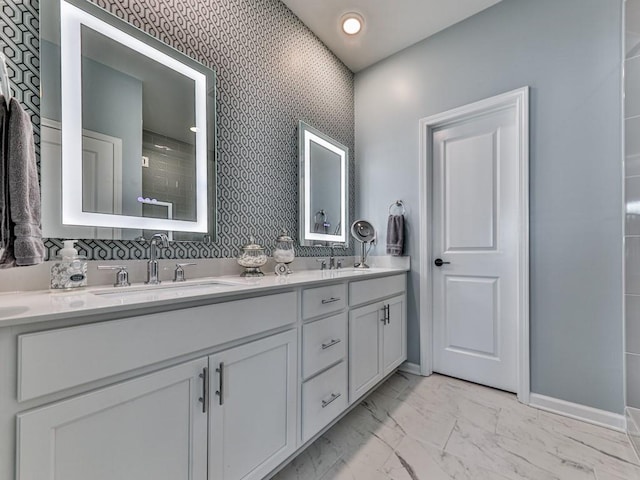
column 439, row 262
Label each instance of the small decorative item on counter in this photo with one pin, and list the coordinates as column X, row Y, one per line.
column 70, row 269
column 283, row 253
column 252, row 258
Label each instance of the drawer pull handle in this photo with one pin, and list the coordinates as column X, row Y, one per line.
column 204, row 375
column 330, row 300
column 331, row 343
column 334, row 397
column 220, row 391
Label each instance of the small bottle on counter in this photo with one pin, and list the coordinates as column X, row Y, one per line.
column 70, row 269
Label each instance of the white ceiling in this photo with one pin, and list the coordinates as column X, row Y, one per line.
column 390, row 25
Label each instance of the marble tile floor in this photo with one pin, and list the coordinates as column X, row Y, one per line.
column 440, row 428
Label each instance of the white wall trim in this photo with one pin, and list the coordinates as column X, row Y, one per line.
column 410, row 367
column 520, row 100
column 577, row 411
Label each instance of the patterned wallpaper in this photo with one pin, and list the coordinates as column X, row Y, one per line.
column 271, row 72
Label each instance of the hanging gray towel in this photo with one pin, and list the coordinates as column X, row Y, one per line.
column 5, row 215
column 24, row 245
column 395, row 235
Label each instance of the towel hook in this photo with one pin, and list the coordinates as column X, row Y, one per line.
column 397, row 203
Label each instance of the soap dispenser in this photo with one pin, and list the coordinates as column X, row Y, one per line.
column 70, row 269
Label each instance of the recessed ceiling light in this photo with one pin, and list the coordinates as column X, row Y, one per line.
column 351, row 23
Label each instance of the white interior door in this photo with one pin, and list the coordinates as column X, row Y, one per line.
column 101, row 181
column 476, row 193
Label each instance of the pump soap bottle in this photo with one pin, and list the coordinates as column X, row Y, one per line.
column 70, row 269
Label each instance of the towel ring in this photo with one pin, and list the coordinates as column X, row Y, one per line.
column 397, row 203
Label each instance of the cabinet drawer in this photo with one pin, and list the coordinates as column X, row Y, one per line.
column 57, row 359
column 323, row 399
column 324, row 342
column 365, row 291
column 322, row 300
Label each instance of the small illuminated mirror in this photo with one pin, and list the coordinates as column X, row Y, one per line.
column 324, row 166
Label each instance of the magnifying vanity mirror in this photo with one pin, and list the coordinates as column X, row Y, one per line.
column 324, row 167
column 127, row 130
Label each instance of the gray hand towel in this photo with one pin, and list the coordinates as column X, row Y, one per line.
column 395, row 235
column 5, row 215
column 25, row 245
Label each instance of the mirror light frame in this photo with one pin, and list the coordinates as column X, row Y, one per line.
column 72, row 18
column 307, row 134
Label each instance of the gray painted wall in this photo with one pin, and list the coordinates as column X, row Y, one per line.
column 632, row 201
column 569, row 52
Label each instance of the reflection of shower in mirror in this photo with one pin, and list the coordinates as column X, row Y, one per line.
column 167, row 205
column 320, row 222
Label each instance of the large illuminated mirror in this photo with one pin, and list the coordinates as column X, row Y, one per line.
column 127, row 130
column 324, row 188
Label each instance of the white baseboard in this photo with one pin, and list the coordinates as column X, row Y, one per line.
column 409, row 367
column 587, row 414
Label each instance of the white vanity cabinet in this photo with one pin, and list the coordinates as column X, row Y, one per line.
column 149, row 428
column 377, row 332
column 253, row 402
column 213, row 389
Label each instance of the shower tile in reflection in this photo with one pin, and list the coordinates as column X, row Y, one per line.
column 632, row 323
column 633, row 385
column 632, row 166
column 632, row 206
column 632, row 265
column 632, row 136
column 632, row 88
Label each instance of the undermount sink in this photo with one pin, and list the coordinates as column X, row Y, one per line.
column 164, row 290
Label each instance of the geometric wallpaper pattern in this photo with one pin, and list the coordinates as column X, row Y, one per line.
column 271, row 72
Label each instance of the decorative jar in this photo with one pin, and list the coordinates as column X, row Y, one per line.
column 252, row 258
column 283, row 253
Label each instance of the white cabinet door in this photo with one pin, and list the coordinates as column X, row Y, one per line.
column 253, row 407
column 365, row 348
column 149, row 428
column 377, row 343
column 394, row 337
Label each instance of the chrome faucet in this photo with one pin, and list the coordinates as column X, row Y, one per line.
column 335, row 263
column 152, row 264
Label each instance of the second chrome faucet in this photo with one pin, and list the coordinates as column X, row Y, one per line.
column 158, row 239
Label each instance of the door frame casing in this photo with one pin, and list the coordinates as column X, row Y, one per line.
column 520, row 100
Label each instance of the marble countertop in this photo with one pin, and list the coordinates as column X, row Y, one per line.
column 17, row 308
